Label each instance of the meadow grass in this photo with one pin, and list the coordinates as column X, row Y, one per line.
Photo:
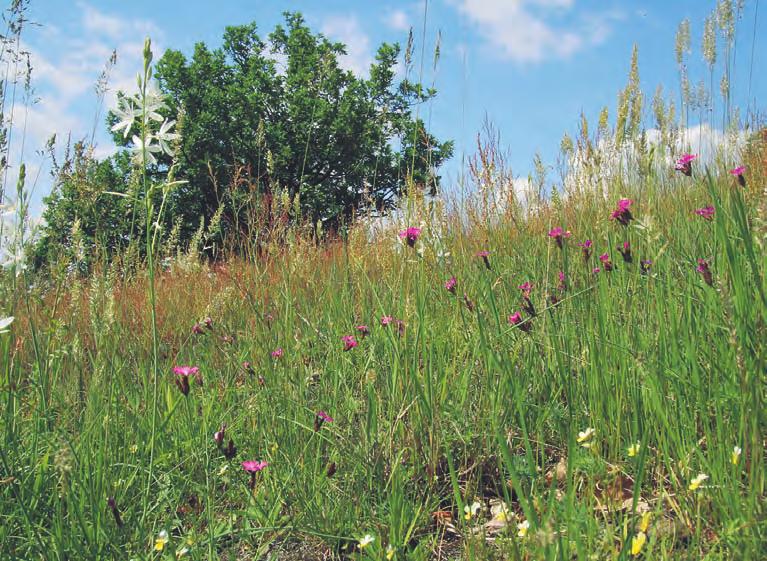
column 454, row 433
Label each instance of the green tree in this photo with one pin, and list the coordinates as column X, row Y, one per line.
column 284, row 114
column 82, row 215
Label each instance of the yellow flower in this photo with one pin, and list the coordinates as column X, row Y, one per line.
column 134, row 449
column 645, row 522
column 470, row 511
column 522, row 528
column 695, row 483
column 634, row 449
column 584, row 437
column 366, row 541
column 389, row 552
column 161, row 541
column 736, row 452
column 637, row 542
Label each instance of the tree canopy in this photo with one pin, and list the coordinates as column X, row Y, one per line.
column 265, row 118
column 283, row 115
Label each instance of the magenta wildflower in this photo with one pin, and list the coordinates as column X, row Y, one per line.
column 586, row 249
column 363, row 330
column 277, row 353
column 516, row 320
column 622, row 214
column 625, row 251
column 321, row 418
column 596, row 270
column 349, row 342
column 197, row 329
column 704, row 269
column 208, row 322
column 253, row 467
column 526, row 287
column 562, row 281
column 706, row 212
column 386, row 320
column 485, row 255
column 684, row 164
column 738, row 173
column 410, row 235
column 450, row 285
column 182, row 377
column 606, row 263
column 559, row 235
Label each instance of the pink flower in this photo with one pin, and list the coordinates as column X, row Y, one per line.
column 410, row 235
column 485, row 255
column 684, row 164
column 562, row 281
column 186, row 371
column 622, row 214
column 625, row 252
column 363, row 330
column 605, row 259
column 253, row 467
column 182, row 377
column 516, row 320
column 586, row 249
column 320, row 418
column 197, row 329
column 208, row 322
column 704, row 269
column 596, row 270
column 706, row 212
column 349, row 342
column 386, row 320
column 450, row 285
column 277, row 353
column 738, row 174
column 526, row 287
column 559, row 235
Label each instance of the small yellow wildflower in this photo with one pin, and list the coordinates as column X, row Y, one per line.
column 522, row 528
column 366, row 541
column 695, row 483
column 161, row 541
column 470, row 511
column 134, row 448
column 637, row 542
column 274, row 447
column 390, row 552
column 634, row 449
column 584, row 437
column 736, row 452
column 645, row 522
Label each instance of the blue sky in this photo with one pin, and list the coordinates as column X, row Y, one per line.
column 528, row 66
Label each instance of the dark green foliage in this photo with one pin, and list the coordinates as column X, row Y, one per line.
column 338, row 141
column 87, row 193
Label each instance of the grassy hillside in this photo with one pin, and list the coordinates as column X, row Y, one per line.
column 622, row 416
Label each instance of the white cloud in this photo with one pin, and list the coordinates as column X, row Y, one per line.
column 523, row 32
column 347, row 30
column 66, row 64
column 398, row 20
